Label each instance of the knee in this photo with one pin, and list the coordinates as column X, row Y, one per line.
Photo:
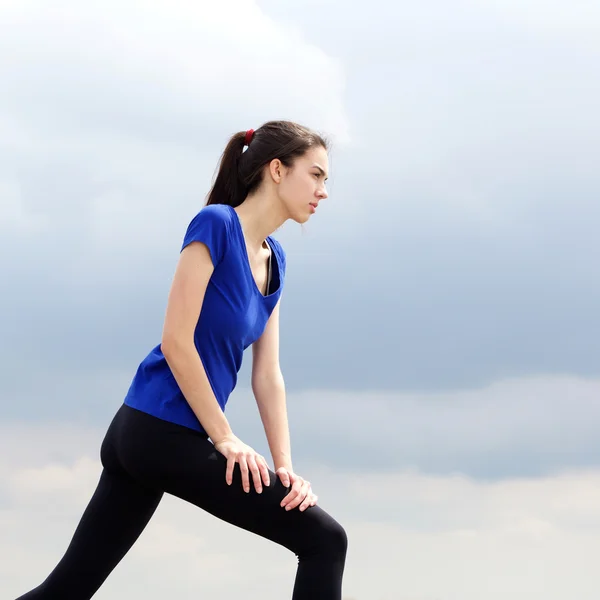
column 341, row 540
column 333, row 540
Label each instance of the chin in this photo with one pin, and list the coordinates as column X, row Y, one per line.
column 303, row 219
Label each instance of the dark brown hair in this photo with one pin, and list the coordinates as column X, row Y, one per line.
column 240, row 173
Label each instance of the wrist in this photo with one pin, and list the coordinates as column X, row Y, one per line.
column 283, row 463
column 222, row 437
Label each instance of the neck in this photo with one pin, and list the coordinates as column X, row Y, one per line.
column 260, row 214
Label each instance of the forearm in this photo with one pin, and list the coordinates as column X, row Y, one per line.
column 269, row 392
column 189, row 373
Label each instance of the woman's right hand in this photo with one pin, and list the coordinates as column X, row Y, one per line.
column 235, row 451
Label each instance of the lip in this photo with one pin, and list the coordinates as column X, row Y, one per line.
column 313, row 205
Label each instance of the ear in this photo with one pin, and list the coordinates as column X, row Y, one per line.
column 276, row 168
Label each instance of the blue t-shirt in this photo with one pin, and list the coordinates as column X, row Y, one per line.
column 233, row 316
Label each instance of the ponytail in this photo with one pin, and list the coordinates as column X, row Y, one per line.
column 240, row 173
column 228, row 187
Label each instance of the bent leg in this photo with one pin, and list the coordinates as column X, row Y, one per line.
column 189, row 467
column 115, row 517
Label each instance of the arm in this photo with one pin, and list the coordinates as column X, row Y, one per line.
column 183, row 310
column 269, row 390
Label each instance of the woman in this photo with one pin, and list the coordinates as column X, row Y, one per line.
column 171, row 434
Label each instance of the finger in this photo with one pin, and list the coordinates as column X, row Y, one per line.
column 300, row 495
column 244, row 470
column 229, row 470
column 296, row 487
column 304, row 494
column 284, row 476
column 264, row 470
column 292, row 495
column 306, row 502
column 251, row 460
column 314, row 501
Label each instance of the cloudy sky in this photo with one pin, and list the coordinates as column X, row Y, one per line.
column 440, row 331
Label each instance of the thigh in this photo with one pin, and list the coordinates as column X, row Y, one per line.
column 193, row 470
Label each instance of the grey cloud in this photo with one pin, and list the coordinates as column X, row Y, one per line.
column 421, row 307
column 457, row 248
column 526, row 427
column 513, row 428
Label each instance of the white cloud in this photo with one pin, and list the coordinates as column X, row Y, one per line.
column 479, row 115
column 169, row 61
column 412, row 536
column 113, row 109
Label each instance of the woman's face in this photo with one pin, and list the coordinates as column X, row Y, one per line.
column 302, row 186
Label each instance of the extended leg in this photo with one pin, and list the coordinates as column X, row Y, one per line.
column 113, row 520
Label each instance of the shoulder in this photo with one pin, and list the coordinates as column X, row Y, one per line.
column 212, row 227
column 215, row 214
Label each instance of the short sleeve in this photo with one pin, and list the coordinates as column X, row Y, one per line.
column 210, row 226
column 281, row 258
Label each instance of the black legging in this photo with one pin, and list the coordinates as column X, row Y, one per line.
column 144, row 457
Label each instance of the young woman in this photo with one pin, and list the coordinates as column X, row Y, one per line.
column 171, row 434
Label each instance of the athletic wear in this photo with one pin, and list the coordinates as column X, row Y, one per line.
column 155, row 443
column 143, row 457
column 234, row 315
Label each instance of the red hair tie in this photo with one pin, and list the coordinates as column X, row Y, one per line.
column 249, row 136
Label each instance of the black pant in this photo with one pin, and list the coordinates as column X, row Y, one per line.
column 144, row 457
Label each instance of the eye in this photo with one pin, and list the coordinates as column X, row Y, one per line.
column 317, row 175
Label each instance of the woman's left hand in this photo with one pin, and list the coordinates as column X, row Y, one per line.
column 301, row 493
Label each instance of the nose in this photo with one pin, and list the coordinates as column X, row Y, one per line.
column 322, row 193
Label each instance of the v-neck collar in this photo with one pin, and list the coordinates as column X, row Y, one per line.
column 246, row 258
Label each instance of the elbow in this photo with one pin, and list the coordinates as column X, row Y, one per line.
column 173, row 346
column 166, row 347
column 267, row 379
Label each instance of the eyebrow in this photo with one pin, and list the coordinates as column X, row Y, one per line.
column 320, row 169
